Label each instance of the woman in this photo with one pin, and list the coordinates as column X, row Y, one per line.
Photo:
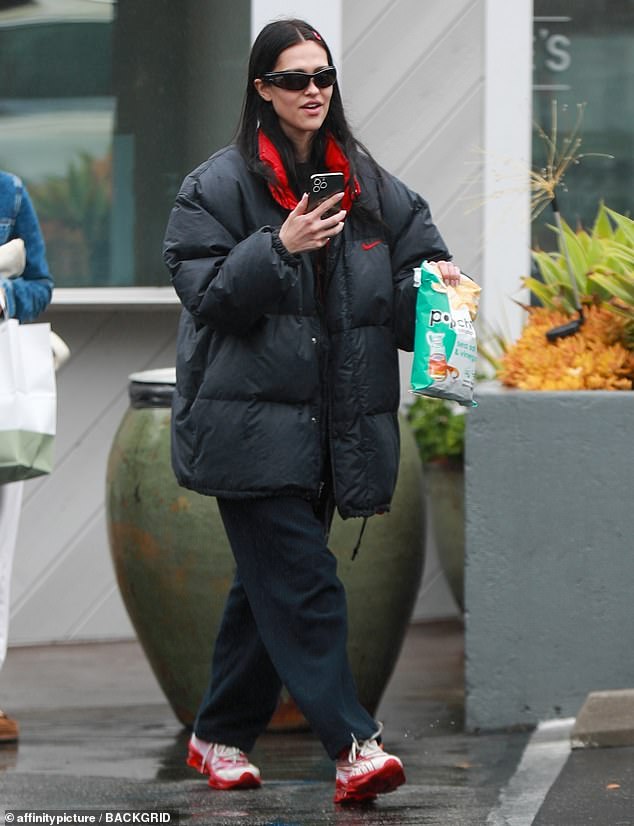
column 25, row 291
column 287, row 394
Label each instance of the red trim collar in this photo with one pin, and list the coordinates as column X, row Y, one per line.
column 336, row 161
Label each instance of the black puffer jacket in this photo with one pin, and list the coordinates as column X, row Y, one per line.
column 269, row 378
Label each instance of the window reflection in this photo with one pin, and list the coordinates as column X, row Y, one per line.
column 104, row 107
column 584, row 53
column 57, row 116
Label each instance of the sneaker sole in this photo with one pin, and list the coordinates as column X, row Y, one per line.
column 368, row 786
column 195, row 760
column 245, row 781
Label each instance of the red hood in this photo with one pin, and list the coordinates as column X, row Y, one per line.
column 336, row 161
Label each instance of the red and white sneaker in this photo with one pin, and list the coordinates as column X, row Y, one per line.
column 227, row 766
column 366, row 771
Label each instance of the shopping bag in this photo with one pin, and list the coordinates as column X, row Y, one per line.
column 28, row 401
column 445, row 349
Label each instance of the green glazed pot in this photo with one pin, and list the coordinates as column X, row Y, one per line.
column 174, row 566
column 445, row 486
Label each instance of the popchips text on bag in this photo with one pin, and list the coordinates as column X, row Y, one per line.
column 445, row 347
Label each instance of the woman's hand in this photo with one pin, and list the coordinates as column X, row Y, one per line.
column 307, row 231
column 450, row 273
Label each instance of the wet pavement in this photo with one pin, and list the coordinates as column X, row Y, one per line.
column 97, row 734
column 596, row 786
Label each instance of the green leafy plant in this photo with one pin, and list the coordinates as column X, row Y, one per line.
column 602, row 262
column 74, row 210
column 600, row 353
column 80, row 198
column 439, row 429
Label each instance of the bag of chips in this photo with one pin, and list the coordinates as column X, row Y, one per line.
column 445, row 348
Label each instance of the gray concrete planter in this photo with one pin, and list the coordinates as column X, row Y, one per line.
column 549, row 570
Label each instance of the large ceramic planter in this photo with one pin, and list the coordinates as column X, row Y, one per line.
column 444, row 482
column 174, row 566
column 549, row 552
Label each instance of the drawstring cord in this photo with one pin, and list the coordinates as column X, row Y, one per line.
column 355, row 550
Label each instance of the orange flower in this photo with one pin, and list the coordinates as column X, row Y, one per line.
column 592, row 359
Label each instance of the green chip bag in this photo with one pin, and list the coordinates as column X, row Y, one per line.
column 445, row 348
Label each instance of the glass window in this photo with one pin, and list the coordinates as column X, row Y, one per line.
column 104, row 107
column 584, row 54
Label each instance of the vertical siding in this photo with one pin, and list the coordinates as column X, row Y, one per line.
column 63, row 582
column 413, row 87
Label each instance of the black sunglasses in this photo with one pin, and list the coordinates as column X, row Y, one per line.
column 297, row 81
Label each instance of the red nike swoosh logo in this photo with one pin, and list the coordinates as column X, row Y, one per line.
column 370, row 245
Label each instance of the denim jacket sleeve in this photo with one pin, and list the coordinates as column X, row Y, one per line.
column 29, row 294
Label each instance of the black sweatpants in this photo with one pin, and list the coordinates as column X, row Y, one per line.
column 285, row 622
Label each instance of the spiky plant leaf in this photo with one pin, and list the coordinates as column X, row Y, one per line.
column 560, row 299
column 616, row 288
column 551, row 267
column 625, row 226
column 602, row 227
column 578, row 257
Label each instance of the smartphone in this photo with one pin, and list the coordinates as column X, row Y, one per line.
column 322, row 186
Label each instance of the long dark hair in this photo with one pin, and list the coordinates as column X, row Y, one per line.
column 271, row 41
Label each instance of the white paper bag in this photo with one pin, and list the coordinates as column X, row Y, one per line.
column 28, row 400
